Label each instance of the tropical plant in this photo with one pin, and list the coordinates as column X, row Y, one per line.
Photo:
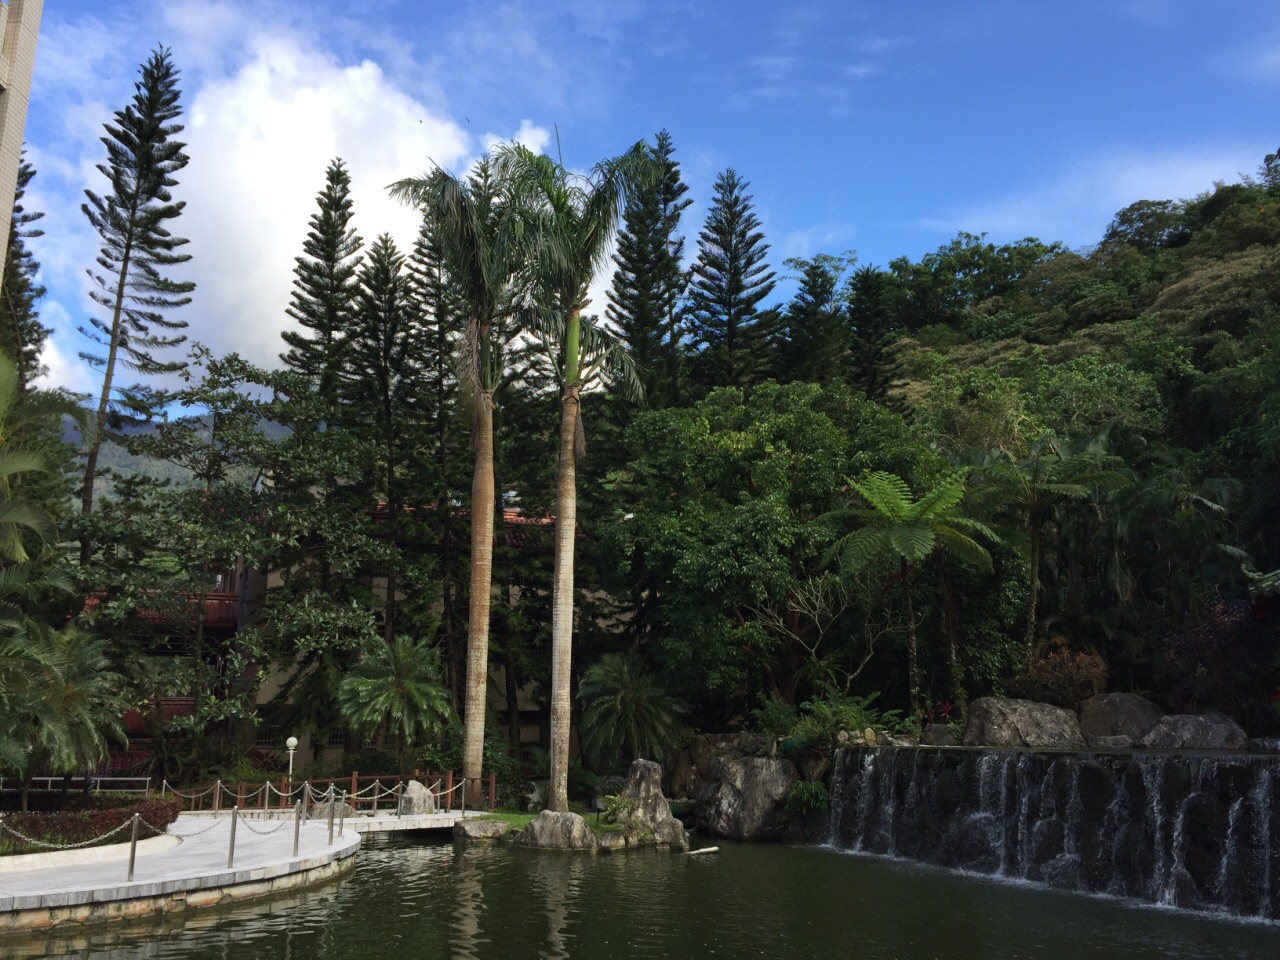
column 894, row 526
column 484, row 245
column 395, row 690
column 60, row 703
column 1034, row 488
column 626, row 712
column 578, row 216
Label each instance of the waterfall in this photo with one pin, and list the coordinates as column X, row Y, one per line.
column 1188, row 831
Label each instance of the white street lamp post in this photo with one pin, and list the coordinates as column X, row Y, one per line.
column 292, row 745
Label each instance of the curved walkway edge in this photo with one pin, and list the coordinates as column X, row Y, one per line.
column 190, row 875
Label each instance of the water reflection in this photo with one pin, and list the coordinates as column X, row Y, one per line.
column 411, row 900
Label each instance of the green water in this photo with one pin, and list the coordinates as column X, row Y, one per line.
column 410, row 899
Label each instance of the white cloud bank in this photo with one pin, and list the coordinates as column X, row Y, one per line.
column 261, row 130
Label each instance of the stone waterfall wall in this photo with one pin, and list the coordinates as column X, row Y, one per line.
column 1192, row 831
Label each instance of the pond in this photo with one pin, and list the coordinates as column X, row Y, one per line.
column 417, row 899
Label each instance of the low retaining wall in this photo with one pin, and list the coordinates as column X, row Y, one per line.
column 132, row 901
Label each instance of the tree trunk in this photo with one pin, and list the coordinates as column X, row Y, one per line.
column 562, row 597
column 104, row 403
column 913, row 658
column 1033, row 592
column 950, row 623
column 482, row 497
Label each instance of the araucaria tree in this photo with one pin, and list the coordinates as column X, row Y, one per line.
column 21, row 334
column 650, row 280
column 730, row 278
column 576, row 218
column 326, row 286
column 138, row 245
column 476, row 226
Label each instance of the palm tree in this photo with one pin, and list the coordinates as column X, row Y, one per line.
column 484, row 244
column 59, row 702
column 396, row 690
column 577, row 216
column 894, row 526
column 626, row 713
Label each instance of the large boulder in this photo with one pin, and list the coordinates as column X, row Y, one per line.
column 416, row 800
column 556, row 831
column 643, row 807
column 1187, row 732
column 996, row 722
column 746, row 797
column 475, row 829
column 1108, row 720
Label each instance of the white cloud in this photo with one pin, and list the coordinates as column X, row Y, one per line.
column 265, row 115
column 260, row 141
column 1078, row 205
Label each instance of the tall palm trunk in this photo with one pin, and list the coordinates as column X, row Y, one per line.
column 562, row 595
column 482, row 496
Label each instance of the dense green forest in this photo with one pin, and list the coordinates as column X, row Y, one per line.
column 1012, row 468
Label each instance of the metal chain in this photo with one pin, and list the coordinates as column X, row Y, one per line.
column 216, row 821
column 248, row 825
column 65, row 846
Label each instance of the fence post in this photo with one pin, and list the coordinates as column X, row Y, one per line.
column 448, row 792
column 331, row 814
column 493, row 791
column 240, row 795
column 463, row 807
column 217, row 796
column 306, row 800
column 164, row 785
column 399, row 798
column 377, row 785
column 133, row 846
column 231, row 847
column 297, row 825
column 342, row 814
column 355, row 787
column 266, row 797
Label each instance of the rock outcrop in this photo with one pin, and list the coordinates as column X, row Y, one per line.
column 746, row 796
column 480, row 830
column 1187, row 732
column 996, row 722
column 416, row 800
column 1117, row 720
column 556, row 831
column 644, row 810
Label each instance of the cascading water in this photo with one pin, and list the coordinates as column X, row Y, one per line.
column 1188, row 831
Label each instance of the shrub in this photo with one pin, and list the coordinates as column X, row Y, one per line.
column 774, row 717
column 807, row 796
column 821, row 720
column 83, row 825
column 1062, row 677
column 1228, row 661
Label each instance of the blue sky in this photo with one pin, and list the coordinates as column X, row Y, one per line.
column 880, row 127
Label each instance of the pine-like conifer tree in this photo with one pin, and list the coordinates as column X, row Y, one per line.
column 814, row 334
column 137, row 245
column 730, row 278
column 326, row 286
column 650, row 280
column 22, row 336
column 874, row 328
